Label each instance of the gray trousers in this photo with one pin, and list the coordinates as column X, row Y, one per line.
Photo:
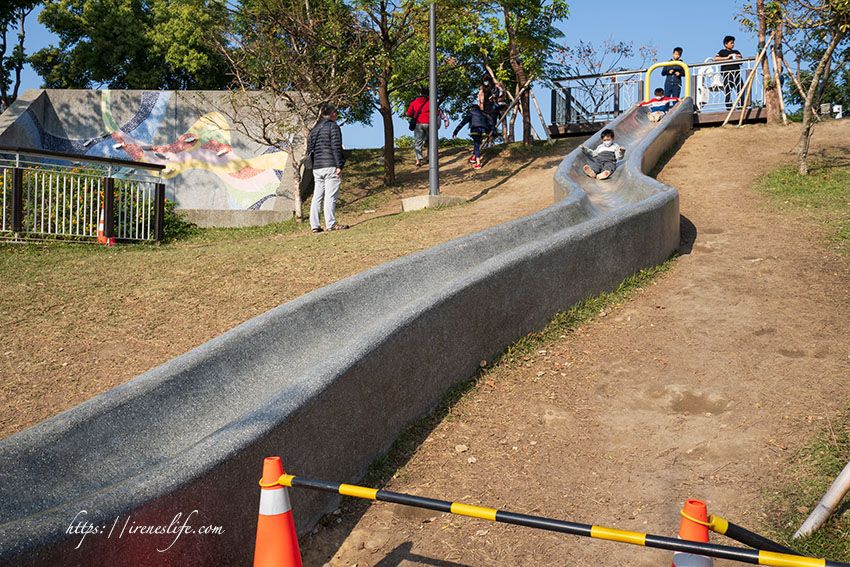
column 420, row 136
column 598, row 165
column 327, row 189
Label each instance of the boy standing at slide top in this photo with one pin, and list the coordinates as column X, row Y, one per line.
column 674, row 74
column 604, row 157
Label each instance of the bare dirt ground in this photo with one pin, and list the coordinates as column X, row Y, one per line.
column 702, row 386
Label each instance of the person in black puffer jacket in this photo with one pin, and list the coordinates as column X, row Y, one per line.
column 325, row 143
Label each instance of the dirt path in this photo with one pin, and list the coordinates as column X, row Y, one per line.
column 702, row 387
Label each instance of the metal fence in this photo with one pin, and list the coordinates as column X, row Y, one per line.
column 587, row 99
column 54, row 195
column 712, row 87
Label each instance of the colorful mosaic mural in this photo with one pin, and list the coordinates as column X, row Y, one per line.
column 249, row 181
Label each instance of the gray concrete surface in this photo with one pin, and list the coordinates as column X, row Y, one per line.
column 326, row 381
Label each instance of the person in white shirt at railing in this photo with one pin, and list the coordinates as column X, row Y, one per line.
column 731, row 72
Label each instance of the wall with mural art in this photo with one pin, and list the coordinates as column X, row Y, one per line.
column 214, row 172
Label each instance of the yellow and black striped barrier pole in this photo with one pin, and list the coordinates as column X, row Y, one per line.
column 745, row 536
column 753, row 556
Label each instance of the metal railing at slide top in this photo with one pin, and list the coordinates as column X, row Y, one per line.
column 601, row 98
column 63, row 196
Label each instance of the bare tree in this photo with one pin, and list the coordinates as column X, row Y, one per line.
column 823, row 23
column 287, row 59
column 588, row 59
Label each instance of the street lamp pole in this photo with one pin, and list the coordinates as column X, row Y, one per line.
column 433, row 123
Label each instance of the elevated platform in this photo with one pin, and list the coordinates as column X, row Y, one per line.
column 701, row 119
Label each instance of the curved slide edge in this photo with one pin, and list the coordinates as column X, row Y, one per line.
column 327, row 381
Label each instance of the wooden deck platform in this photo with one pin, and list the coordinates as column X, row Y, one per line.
column 701, row 119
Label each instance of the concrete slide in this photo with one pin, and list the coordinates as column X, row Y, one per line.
column 326, row 381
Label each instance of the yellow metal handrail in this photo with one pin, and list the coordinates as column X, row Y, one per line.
column 687, row 79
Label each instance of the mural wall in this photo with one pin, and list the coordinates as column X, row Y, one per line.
column 210, row 166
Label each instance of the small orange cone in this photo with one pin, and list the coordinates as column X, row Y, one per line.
column 100, row 237
column 694, row 527
column 277, row 544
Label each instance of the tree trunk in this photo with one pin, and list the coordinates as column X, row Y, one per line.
column 525, row 106
column 771, row 90
column 509, row 139
column 803, row 143
column 386, row 111
column 521, row 77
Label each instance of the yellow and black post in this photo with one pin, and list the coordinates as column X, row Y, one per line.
column 752, row 556
column 733, row 531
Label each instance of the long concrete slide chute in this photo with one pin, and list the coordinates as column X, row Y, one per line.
column 326, row 381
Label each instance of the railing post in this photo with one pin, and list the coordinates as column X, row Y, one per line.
column 553, row 107
column 109, row 209
column 17, row 200
column 694, row 89
column 568, row 105
column 616, row 98
column 159, row 212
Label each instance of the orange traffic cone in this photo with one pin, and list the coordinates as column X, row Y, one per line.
column 694, row 527
column 100, row 230
column 277, row 544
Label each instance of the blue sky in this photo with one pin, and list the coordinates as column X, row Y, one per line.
column 697, row 27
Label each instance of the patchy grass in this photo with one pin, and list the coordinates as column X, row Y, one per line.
column 822, row 196
column 813, row 470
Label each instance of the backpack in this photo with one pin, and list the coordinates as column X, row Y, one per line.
column 712, row 78
column 412, row 124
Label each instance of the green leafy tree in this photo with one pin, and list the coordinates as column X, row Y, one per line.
column 530, row 41
column 133, row 44
column 13, row 14
column 399, row 32
column 393, row 29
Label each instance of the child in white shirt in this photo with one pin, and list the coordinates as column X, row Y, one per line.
column 605, row 156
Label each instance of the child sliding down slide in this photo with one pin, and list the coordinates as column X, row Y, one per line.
column 604, row 157
column 659, row 105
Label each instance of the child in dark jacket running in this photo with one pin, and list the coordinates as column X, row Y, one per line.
column 604, row 157
column 479, row 127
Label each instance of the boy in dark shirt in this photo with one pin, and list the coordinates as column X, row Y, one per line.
column 673, row 82
column 731, row 73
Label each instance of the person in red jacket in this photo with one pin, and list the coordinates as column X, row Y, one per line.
column 420, row 109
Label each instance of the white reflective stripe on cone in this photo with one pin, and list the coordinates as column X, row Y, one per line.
column 681, row 559
column 274, row 502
